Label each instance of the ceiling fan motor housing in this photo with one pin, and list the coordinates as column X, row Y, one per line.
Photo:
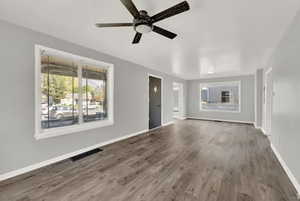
column 143, row 24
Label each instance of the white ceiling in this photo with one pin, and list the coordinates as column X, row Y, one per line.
column 224, row 37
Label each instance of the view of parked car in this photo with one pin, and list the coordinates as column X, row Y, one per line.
column 59, row 112
column 62, row 112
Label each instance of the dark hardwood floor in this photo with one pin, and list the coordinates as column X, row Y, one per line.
column 191, row 160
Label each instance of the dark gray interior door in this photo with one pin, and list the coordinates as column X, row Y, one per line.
column 154, row 102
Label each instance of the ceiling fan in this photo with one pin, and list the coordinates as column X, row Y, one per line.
column 143, row 23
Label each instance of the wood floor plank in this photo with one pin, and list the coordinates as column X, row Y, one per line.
column 191, row 160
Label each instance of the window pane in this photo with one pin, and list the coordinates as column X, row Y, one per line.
column 59, row 87
column 225, row 96
column 94, row 98
column 220, row 96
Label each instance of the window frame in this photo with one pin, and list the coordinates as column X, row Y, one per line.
column 215, row 84
column 81, row 126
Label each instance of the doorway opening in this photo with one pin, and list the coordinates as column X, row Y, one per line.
column 178, row 112
column 268, row 102
column 155, row 101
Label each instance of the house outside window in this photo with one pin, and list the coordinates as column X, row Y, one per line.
column 73, row 93
column 220, row 96
column 225, row 97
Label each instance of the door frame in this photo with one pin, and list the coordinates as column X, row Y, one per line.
column 161, row 98
column 266, row 115
column 180, row 100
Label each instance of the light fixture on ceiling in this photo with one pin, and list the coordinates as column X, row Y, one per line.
column 143, row 28
column 143, row 23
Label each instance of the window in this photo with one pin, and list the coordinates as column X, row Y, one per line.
column 225, row 97
column 94, row 93
column 220, row 96
column 73, row 93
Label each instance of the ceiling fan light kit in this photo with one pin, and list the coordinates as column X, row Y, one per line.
column 143, row 23
column 143, row 28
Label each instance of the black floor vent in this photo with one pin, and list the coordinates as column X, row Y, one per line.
column 218, row 121
column 86, row 154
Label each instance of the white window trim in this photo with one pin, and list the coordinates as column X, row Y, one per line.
column 220, row 84
column 52, row 132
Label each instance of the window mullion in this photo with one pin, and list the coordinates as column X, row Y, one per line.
column 80, row 113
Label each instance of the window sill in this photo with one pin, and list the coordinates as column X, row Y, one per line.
column 53, row 132
column 225, row 111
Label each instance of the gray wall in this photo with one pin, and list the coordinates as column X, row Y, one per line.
column 247, row 100
column 285, row 133
column 18, row 148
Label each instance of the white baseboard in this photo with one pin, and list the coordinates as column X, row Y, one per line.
column 163, row 125
column 287, row 170
column 180, row 118
column 255, row 125
column 65, row 156
column 225, row 120
column 263, row 130
column 168, row 123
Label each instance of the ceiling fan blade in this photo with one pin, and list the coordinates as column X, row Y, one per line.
column 137, row 38
column 164, row 32
column 131, row 8
column 101, row 25
column 179, row 8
